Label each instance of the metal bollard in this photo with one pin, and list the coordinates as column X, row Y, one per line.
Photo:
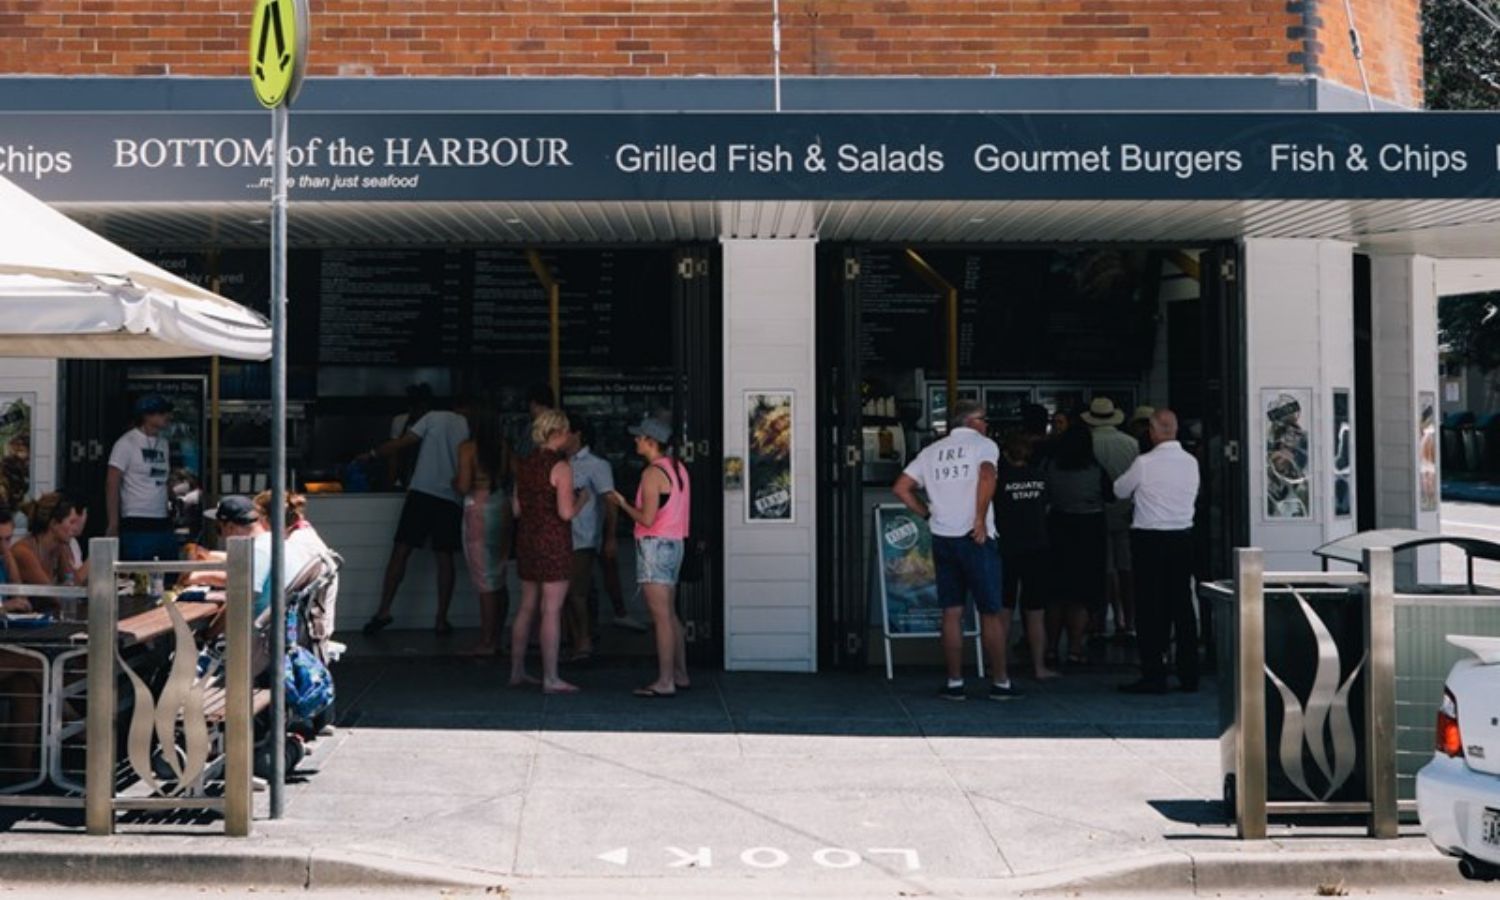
column 1380, row 692
column 239, row 725
column 1250, row 696
column 99, row 765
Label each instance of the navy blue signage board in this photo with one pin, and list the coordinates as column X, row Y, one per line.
column 216, row 157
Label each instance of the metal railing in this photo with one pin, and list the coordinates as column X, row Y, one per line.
column 1376, row 587
column 172, row 738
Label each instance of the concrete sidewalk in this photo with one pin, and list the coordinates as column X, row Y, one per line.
column 843, row 782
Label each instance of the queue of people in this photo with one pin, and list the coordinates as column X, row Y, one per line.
column 546, row 502
column 1062, row 524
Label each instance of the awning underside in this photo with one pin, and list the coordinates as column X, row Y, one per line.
column 1439, row 228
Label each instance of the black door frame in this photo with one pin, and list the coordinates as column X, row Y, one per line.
column 844, row 606
column 698, row 408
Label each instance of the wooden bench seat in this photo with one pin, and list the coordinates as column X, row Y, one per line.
column 215, row 702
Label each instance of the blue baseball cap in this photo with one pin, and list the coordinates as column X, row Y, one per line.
column 152, row 403
column 654, row 428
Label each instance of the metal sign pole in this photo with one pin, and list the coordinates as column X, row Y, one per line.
column 279, row 34
column 279, row 121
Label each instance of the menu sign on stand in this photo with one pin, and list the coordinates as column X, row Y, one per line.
column 906, row 579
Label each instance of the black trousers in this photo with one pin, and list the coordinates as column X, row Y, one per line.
column 1164, row 602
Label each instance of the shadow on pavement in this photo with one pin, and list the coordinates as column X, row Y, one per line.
column 461, row 693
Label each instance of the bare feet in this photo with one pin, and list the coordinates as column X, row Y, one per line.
column 559, row 687
column 522, row 680
column 1045, row 674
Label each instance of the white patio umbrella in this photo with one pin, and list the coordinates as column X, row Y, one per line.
column 67, row 293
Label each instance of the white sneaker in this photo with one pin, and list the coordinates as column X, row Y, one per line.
column 629, row 624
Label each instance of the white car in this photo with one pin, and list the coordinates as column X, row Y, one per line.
column 1458, row 793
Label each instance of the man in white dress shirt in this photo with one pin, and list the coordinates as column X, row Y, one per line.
column 1164, row 485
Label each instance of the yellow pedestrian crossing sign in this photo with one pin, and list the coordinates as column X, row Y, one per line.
column 278, row 50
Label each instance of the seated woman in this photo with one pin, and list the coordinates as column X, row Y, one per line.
column 45, row 555
column 304, row 544
column 34, row 560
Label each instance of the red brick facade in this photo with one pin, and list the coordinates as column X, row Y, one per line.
column 732, row 37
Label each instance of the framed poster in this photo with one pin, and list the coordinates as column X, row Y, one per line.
column 1286, row 415
column 768, row 460
column 1427, row 451
column 906, row 580
column 1343, row 456
column 1005, row 406
column 937, row 403
column 16, row 475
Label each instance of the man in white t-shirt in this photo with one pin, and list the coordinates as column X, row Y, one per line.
column 135, row 488
column 433, row 510
column 958, row 475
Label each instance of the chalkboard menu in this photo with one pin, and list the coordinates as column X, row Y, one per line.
column 902, row 315
column 390, row 306
column 488, row 307
column 1020, row 312
column 455, row 307
column 509, row 311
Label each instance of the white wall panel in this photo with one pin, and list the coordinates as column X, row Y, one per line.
column 1404, row 332
column 770, row 568
column 1299, row 318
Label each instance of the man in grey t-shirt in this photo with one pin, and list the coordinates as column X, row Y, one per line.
column 433, row 510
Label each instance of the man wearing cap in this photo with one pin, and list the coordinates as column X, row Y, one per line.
column 135, row 488
column 238, row 517
column 958, row 474
column 1115, row 450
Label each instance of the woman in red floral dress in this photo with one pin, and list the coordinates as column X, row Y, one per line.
column 545, row 505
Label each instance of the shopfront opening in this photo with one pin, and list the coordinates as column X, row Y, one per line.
column 906, row 331
column 631, row 330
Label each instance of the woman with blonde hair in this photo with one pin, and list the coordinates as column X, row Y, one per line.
column 545, row 503
column 45, row 556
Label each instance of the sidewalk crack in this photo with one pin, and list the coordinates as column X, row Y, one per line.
column 948, row 773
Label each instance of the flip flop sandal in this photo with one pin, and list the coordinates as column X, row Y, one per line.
column 654, row 694
column 377, row 624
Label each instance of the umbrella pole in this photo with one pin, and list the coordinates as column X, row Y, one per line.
column 277, row 525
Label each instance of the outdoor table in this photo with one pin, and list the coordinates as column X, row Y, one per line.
column 57, row 645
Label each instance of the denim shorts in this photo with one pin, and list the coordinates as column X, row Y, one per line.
column 965, row 568
column 657, row 560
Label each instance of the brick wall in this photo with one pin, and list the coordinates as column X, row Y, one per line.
column 1390, row 32
column 708, row 37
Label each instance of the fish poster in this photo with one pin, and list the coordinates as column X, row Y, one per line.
column 15, row 447
column 768, row 462
column 1427, row 451
column 1286, row 418
column 1343, row 456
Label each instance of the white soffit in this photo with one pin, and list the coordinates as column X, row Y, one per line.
column 1438, row 228
column 1467, row 276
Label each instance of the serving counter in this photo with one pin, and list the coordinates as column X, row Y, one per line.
column 360, row 528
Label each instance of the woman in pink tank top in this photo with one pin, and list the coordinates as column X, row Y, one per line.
column 661, row 513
